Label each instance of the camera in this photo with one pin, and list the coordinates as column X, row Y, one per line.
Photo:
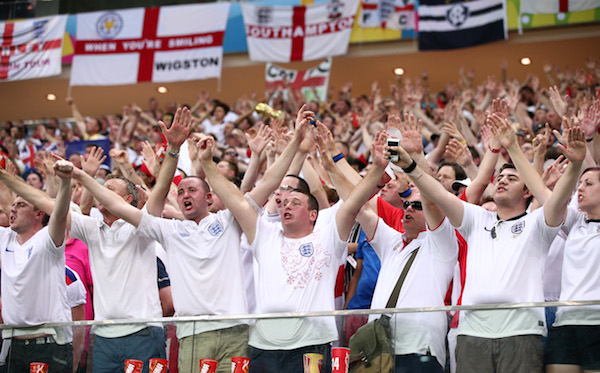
column 393, row 157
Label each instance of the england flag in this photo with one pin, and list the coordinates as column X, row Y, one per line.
column 298, row 33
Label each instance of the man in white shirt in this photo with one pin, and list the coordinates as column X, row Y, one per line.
column 505, row 260
column 33, row 282
column 419, row 338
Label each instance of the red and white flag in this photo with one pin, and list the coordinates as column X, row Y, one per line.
column 308, row 82
column 557, row 6
column 298, row 33
column 160, row 44
column 390, row 14
column 32, row 48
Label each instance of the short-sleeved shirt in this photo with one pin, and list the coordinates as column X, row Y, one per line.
column 425, row 285
column 206, row 269
column 506, row 269
column 295, row 275
column 580, row 274
column 368, row 276
column 33, row 285
column 124, row 273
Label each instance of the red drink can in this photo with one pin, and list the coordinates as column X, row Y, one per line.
column 340, row 359
column 313, row 363
column 133, row 366
column 208, row 365
column 240, row 364
column 38, row 367
column 158, row 365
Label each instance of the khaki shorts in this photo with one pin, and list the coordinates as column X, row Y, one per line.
column 518, row 354
column 221, row 345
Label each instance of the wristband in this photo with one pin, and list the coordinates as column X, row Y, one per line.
column 174, row 155
column 495, row 151
column 406, row 193
column 410, row 168
column 338, row 157
column 590, row 139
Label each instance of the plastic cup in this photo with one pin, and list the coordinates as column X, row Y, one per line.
column 208, row 365
column 312, row 363
column 340, row 359
column 133, row 366
column 36, row 367
column 240, row 364
column 158, row 365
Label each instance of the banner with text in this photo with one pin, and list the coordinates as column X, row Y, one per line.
column 160, row 44
column 32, row 48
column 310, row 82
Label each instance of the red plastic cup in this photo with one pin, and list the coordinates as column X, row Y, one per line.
column 240, row 364
column 158, row 365
column 38, row 367
column 340, row 359
column 208, row 365
column 312, row 363
column 133, row 366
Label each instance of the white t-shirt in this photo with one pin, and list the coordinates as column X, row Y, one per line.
column 123, row 268
column 295, row 275
column 425, row 285
column 75, row 289
column 205, row 267
column 33, row 285
column 505, row 269
column 581, row 274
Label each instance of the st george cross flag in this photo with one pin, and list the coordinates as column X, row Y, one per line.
column 389, row 14
column 32, row 48
column 557, row 6
column 307, row 81
column 460, row 24
column 298, row 33
column 160, row 44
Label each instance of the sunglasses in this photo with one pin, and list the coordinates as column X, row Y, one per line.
column 417, row 205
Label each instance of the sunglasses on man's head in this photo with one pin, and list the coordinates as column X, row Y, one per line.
column 417, row 205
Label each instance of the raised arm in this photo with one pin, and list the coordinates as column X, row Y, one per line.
column 228, row 193
column 256, row 144
column 361, row 194
column 574, row 150
column 176, row 134
column 110, row 199
column 33, row 195
column 505, row 134
column 57, row 225
column 278, row 170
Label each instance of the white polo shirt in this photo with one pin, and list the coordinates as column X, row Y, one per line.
column 123, row 268
column 205, row 267
column 33, row 285
column 295, row 275
column 506, row 269
column 580, row 273
column 425, row 285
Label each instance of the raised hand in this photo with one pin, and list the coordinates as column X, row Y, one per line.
column 450, row 129
column 150, row 159
column 410, row 129
column 589, row 119
column 559, row 104
column 63, row 169
column 575, row 148
column 326, row 159
column 180, row 127
column 404, row 159
column 327, row 137
column 205, row 148
column 551, row 174
column 379, row 143
column 119, row 156
column 93, row 162
column 502, row 130
column 258, row 143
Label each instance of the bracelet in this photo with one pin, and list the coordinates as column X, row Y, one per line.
column 174, row 155
column 410, row 168
column 338, row 157
column 495, row 151
column 406, row 193
column 417, row 177
column 590, row 139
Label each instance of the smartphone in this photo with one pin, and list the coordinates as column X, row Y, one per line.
column 393, row 157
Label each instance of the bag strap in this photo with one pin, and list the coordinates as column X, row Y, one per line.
column 391, row 303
